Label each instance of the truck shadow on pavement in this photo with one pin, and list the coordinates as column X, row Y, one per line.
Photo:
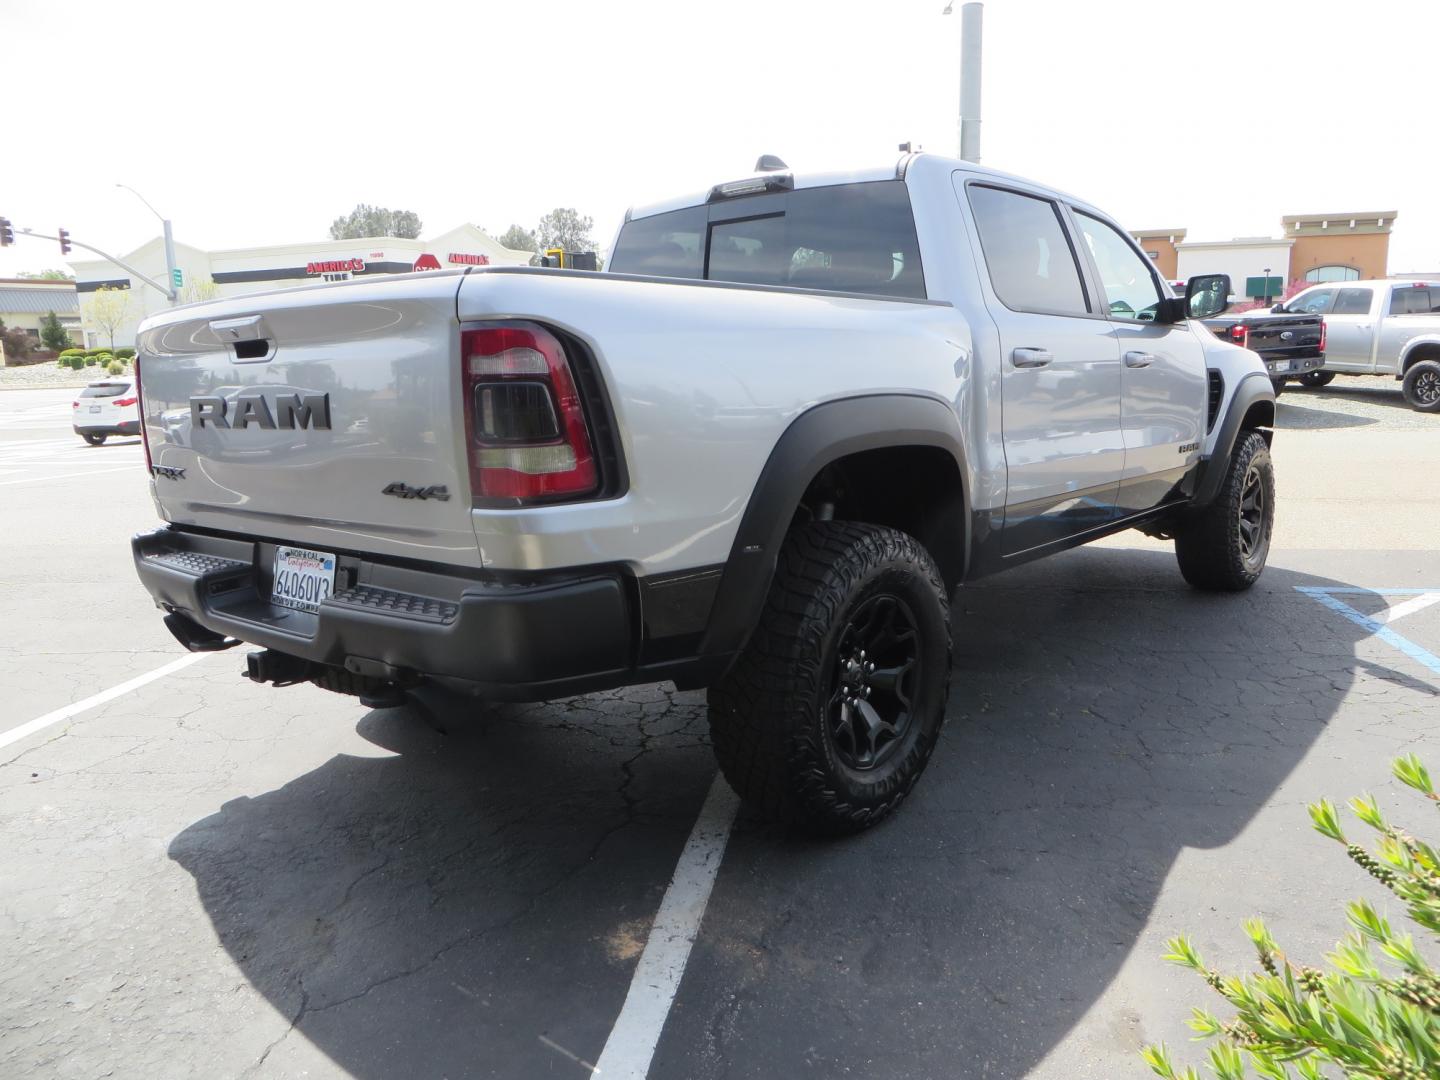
column 474, row 904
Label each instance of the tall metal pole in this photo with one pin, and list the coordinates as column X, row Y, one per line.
column 171, row 293
column 972, row 17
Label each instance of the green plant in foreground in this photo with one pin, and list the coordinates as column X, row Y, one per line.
column 1369, row 1022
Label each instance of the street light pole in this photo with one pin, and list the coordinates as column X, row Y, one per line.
column 972, row 20
column 171, row 291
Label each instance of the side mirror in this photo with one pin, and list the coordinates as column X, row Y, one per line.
column 1207, row 295
column 1278, row 308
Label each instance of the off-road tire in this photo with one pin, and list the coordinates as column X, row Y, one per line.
column 1212, row 545
column 1422, row 386
column 1316, row 379
column 92, row 437
column 771, row 716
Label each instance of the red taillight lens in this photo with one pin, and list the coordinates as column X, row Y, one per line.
column 74, row 404
column 1323, row 329
column 1240, row 335
column 140, row 399
column 125, row 402
column 525, row 427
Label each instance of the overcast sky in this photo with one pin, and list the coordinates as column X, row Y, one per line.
column 254, row 122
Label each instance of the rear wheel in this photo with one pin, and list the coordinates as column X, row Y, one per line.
column 92, row 437
column 1422, row 386
column 1222, row 547
column 1317, row 379
column 830, row 715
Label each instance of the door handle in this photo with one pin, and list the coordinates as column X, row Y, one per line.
column 1136, row 358
column 1031, row 357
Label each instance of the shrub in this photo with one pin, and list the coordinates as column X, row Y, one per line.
column 125, row 352
column 115, row 367
column 1368, row 1021
column 72, row 352
column 98, row 351
column 75, row 361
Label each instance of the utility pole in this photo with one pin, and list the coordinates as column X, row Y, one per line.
column 172, row 274
column 972, row 19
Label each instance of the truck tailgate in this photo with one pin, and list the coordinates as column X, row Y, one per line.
column 288, row 415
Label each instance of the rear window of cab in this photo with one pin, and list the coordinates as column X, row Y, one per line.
column 855, row 238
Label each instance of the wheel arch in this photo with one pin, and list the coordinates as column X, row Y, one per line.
column 832, row 452
column 1416, row 351
column 1251, row 408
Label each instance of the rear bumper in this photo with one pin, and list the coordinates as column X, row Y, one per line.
column 507, row 637
column 1279, row 367
column 125, row 427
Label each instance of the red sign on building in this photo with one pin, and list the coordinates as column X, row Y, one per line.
column 468, row 260
column 336, row 266
column 427, row 262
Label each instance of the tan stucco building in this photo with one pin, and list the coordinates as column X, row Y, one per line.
column 1316, row 247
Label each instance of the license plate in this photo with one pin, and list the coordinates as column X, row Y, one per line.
column 1284, row 365
column 94, row 408
column 303, row 578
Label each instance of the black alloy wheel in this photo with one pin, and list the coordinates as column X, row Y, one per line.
column 869, row 708
column 1251, row 521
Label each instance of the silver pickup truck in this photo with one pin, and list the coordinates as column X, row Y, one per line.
column 1378, row 327
column 756, row 455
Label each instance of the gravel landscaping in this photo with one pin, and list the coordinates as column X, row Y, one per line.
column 47, row 376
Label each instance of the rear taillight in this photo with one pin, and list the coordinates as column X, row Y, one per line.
column 1240, row 334
column 525, row 427
column 1323, row 329
column 140, row 400
column 125, row 402
column 74, row 404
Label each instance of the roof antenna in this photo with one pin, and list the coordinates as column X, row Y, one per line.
column 770, row 163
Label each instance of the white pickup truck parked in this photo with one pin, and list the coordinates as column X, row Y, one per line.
column 757, row 456
column 1379, row 327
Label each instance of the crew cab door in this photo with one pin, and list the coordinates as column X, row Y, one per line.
column 1060, row 382
column 1162, row 375
column 1350, row 326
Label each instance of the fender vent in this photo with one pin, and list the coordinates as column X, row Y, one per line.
column 1217, row 391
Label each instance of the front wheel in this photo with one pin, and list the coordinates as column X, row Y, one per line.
column 830, row 714
column 1316, row 379
column 1222, row 547
column 1422, row 386
column 92, row 437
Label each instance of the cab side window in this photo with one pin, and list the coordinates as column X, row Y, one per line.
column 1314, row 302
column 1130, row 288
column 1413, row 301
column 1353, row 302
column 1032, row 266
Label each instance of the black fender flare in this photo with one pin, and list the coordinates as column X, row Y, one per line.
column 1253, row 386
column 816, row 438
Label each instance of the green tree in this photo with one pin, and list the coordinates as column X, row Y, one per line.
column 1370, row 1022
column 367, row 220
column 52, row 334
column 107, row 309
column 519, row 238
column 45, row 275
column 198, row 289
column 564, row 228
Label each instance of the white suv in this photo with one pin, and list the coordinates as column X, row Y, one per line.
column 106, row 407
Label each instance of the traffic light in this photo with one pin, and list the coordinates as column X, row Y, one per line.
column 7, row 232
column 64, row 239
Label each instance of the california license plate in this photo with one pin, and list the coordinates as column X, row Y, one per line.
column 303, row 578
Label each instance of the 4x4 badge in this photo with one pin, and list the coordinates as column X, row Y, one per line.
column 405, row 491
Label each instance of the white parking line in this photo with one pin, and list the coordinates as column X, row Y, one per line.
column 40, row 723
column 632, row 1040
column 67, row 476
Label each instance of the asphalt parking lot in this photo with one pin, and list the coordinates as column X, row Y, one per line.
column 203, row 877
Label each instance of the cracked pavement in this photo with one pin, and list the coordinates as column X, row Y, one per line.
column 209, row 878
